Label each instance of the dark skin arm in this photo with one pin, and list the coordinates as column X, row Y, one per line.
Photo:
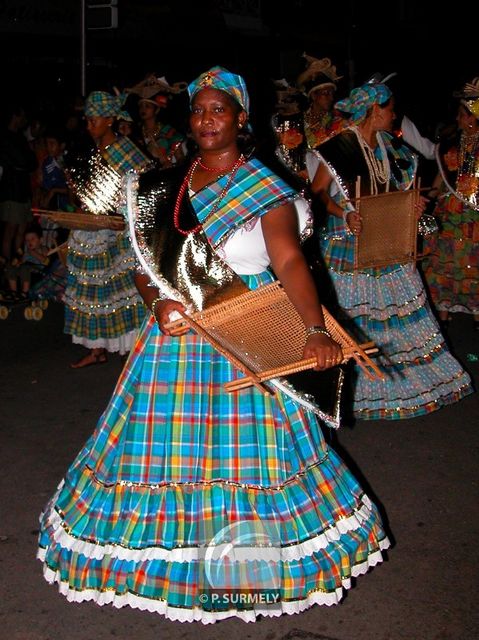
column 280, row 230
column 319, row 186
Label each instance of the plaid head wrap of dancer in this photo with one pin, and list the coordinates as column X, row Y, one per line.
column 222, row 79
column 106, row 105
column 363, row 98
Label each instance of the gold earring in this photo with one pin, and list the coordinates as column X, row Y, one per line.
column 240, row 125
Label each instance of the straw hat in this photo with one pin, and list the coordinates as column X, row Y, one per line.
column 156, row 90
column 469, row 91
column 318, row 73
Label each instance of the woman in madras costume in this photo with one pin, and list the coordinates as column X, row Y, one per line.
column 162, row 142
column 103, row 310
column 451, row 268
column 298, row 127
column 177, row 467
column 388, row 304
column 318, row 82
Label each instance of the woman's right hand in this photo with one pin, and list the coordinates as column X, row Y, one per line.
column 163, row 309
column 327, row 352
column 354, row 222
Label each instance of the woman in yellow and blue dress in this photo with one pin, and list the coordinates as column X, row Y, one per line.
column 187, row 500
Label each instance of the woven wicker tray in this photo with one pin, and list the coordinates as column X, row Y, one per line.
column 389, row 229
column 261, row 334
column 84, row 221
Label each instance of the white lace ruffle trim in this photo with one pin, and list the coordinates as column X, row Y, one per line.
column 185, row 554
column 207, row 617
column 123, row 344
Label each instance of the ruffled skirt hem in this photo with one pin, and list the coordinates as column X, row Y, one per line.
column 197, row 614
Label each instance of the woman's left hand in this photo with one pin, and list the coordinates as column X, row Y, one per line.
column 326, row 351
column 421, row 206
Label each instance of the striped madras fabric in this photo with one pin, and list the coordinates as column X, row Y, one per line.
column 175, row 461
column 252, row 191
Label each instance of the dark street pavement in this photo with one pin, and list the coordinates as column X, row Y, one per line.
column 423, row 472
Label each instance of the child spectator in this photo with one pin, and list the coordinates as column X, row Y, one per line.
column 33, row 259
column 54, row 190
column 125, row 127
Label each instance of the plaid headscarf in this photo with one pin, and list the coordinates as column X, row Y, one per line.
column 362, row 98
column 105, row 105
column 224, row 80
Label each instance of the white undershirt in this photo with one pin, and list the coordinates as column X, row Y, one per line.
column 245, row 251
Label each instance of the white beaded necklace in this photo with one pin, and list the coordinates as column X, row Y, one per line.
column 379, row 170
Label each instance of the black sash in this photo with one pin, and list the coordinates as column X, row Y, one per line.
column 187, row 262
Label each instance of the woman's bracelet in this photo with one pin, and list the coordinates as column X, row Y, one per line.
column 154, row 302
column 310, row 331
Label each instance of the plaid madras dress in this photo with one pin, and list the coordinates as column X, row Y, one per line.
column 102, row 305
column 451, row 266
column 177, row 466
column 389, row 306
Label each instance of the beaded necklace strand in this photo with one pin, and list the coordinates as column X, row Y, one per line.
column 187, row 184
column 222, row 170
column 379, row 170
